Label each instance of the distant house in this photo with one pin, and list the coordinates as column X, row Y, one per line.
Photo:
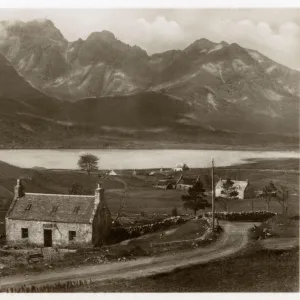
column 181, row 168
column 112, row 173
column 244, row 189
column 166, row 184
column 48, row 220
column 184, row 183
column 134, row 173
column 151, row 173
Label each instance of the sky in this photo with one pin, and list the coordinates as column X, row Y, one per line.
column 273, row 32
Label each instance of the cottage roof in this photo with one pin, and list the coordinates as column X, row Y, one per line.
column 53, row 208
column 187, row 180
column 182, row 165
column 238, row 184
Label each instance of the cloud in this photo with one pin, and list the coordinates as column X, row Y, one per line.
column 156, row 36
column 281, row 42
column 282, row 45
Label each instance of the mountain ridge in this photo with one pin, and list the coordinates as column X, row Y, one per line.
column 100, row 65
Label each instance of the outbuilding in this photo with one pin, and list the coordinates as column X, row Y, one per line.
column 54, row 220
column 112, row 173
column 181, row 168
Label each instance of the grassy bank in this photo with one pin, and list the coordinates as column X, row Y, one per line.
column 259, row 271
column 268, row 272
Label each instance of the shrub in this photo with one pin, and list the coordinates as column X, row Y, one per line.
column 118, row 234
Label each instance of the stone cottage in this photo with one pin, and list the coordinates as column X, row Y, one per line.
column 48, row 220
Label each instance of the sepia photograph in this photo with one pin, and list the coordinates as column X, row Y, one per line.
column 148, row 149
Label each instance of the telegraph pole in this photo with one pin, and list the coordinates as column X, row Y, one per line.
column 213, row 194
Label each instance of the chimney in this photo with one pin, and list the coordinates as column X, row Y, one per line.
column 19, row 190
column 99, row 194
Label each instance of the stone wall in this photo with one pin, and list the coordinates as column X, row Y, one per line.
column 60, row 233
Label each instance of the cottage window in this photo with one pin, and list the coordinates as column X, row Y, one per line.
column 72, row 235
column 24, row 232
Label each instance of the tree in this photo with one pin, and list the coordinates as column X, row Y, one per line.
column 269, row 192
column 282, row 196
column 207, row 181
column 195, row 200
column 228, row 192
column 88, row 162
column 185, row 168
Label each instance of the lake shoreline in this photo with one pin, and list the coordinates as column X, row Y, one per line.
column 246, row 164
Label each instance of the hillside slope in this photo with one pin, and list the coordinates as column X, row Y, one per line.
column 208, row 92
column 26, row 113
column 31, row 119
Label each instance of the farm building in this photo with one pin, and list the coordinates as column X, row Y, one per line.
column 181, row 168
column 112, row 173
column 243, row 188
column 57, row 220
column 166, row 184
column 184, row 183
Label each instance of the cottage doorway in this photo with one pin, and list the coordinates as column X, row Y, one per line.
column 47, row 238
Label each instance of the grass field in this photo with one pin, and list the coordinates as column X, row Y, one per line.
column 141, row 198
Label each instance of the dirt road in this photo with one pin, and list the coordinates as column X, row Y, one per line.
column 233, row 239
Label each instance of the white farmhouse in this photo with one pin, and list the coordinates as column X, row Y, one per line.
column 244, row 189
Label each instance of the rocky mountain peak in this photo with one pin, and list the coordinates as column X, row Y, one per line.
column 35, row 29
column 225, row 44
column 104, row 35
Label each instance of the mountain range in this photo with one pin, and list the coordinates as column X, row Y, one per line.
column 100, row 90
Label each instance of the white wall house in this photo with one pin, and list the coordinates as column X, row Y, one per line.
column 243, row 188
